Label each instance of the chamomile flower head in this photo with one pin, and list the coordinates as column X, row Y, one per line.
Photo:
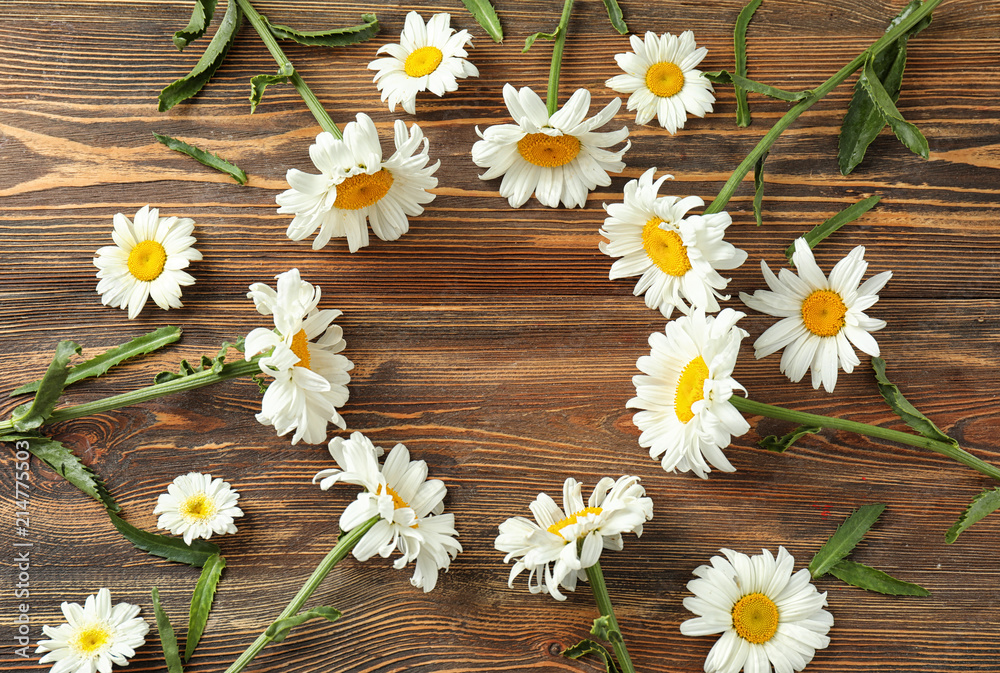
column 560, row 544
column 95, row 636
column 146, row 261
column 408, row 505
column 687, row 418
column 303, row 357
column 662, row 79
column 820, row 317
column 355, row 187
column 561, row 158
column 428, row 58
column 768, row 616
column 676, row 256
column 196, row 506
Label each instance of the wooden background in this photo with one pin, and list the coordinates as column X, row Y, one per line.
column 490, row 341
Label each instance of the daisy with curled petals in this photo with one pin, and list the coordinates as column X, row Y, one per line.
column 146, row 260
column 95, row 636
column 355, row 187
column 663, row 80
column 310, row 377
column 767, row 616
column 678, row 257
column 428, row 57
column 685, row 390
column 559, row 157
column 196, row 506
column 820, row 317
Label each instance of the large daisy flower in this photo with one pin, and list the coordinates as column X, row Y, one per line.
column 559, row 158
column 684, row 393
column 428, row 57
column 678, row 257
column 662, row 79
column 560, row 544
column 767, row 616
column 146, row 260
column 310, row 377
column 355, row 185
column 409, row 507
column 196, row 506
column 820, row 317
column 95, row 636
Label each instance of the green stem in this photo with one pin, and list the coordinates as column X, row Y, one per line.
column 804, row 418
column 552, row 97
column 826, row 87
column 339, row 551
column 263, row 29
column 596, row 579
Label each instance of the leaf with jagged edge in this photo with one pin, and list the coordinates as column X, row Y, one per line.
column 758, row 188
column 171, row 548
column 906, row 411
column 201, row 16
column 585, row 647
column 783, row 443
column 278, row 630
column 740, row 53
column 726, row 77
column 821, row 231
column 907, row 133
column 605, row 629
column 615, row 14
column 215, row 364
column 540, row 36
column 30, row 416
column 168, row 640
column 483, row 12
column 845, row 539
column 203, row 157
column 337, row 37
column 201, row 602
column 260, row 82
column 60, row 458
column 983, row 504
column 872, row 579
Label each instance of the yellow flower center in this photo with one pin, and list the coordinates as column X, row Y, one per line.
column 664, row 79
column 559, row 525
column 690, row 388
column 146, row 260
column 823, row 313
column 362, row 190
column 198, row 507
column 549, row 151
column 91, row 639
column 397, row 502
column 755, row 618
column 665, row 248
column 423, row 61
column 300, row 346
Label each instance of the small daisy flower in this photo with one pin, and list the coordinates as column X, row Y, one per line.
column 310, row 377
column 196, row 506
column 560, row 544
column 559, row 158
column 409, row 507
column 146, row 260
column 820, row 317
column 428, row 57
column 677, row 257
column 95, row 636
column 684, row 393
column 355, row 185
column 662, row 79
column 767, row 616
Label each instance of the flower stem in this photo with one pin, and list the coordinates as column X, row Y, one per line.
column 260, row 24
column 339, row 551
column 596, row 579
column 552, row 97
column 815, row 95
column 804, row 418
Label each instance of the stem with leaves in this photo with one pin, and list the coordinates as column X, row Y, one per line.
column 614, row 635
column 552, row 97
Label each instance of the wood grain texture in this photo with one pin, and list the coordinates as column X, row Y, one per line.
column 490, row 341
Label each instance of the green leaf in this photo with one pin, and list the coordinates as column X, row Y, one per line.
column 50, row 389
column 849, row 214
column 726, row 77
column 985, row 503
column 585, row 647
column 483, row 12
column 865, row 577
column 66, row 463
column 195, row 554
column 605, row 629
column 260, row 82
column 758, row 188
column 842, row 542
column 278, row 630
column 200, row 155
column 782, row 444
column 201, row 16
column 338, row 37
column 615, row 14
column 167, row 638
column 740, row 51
column 201, row 602
column 540, row 36
column 209, row 62
column 904, row 409
column 907, row 133
column 216, row 364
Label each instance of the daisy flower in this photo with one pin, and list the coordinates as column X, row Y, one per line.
column 767, row 616
column 560, row 544
column 559, row 158
column 662, row 79
column 684, row 393
column 409, row 507
column 820, row 317
column 355, row 185
column 310, row 377
column 95, row 636
column 428, row 57
column 145, row 260
column 196, row 506
column 677, row 257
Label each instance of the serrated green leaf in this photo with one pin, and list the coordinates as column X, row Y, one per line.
column 605, row 629
column 167, row 638
column 540, row 36
column 171, row 548
column 758, row 188
column 201, row 16
column 865, row 577
column 585, row 647
column 983, row 504
column 907, row 133
column 726, row 77
column 337, row 37
column 278, row 630
column 483, row 12
column 260, row 82
column 783, row 443
column 906, row 411
column 615, row 14
column 203, row 157
column 740, row 52
column 845, row 539
column 50, row 389
column 201, row 602
column 67, row 464
column 821, row 231
column 216, row 364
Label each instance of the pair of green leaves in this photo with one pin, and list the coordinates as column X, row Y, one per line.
column 606, row 630
column 614, row 14
column 201, row 605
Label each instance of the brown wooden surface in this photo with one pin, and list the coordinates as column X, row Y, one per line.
column 490, row 340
